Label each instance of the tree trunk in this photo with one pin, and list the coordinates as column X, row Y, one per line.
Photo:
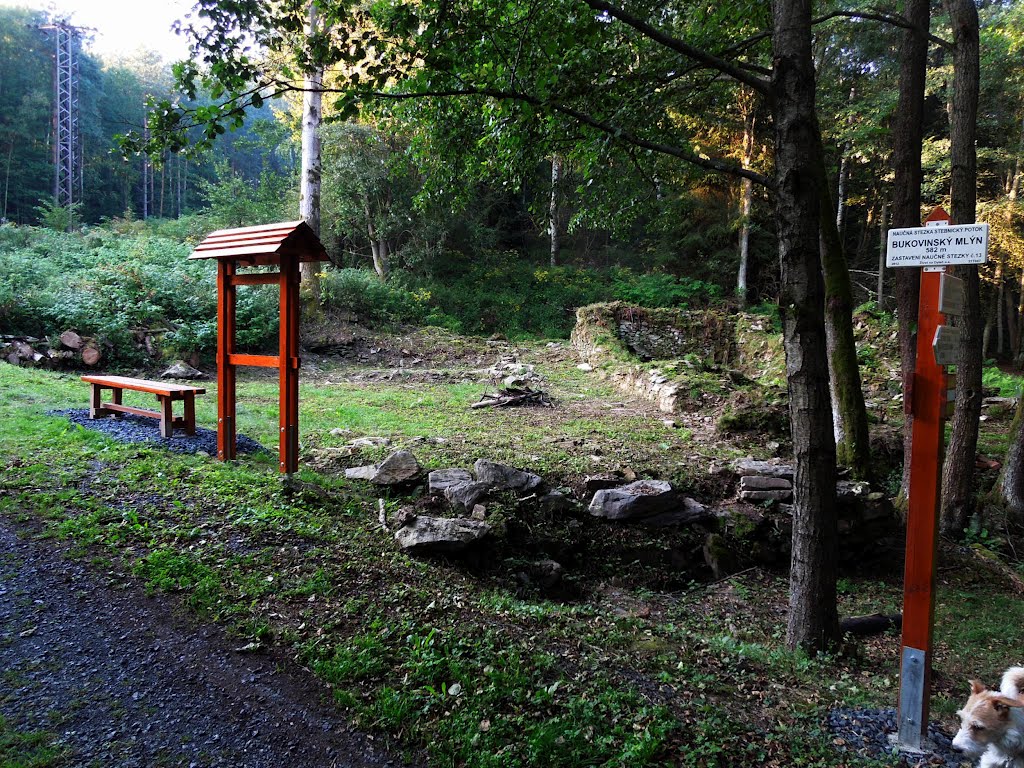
column 309, row 192
column 1011, row 479
column 958, row 470
column 7, row 177
column 554, row 208
column 378, row 245
column 907, row 135
column 882, row 240
column 813, row 618
column 849, row 414
column 748, row 105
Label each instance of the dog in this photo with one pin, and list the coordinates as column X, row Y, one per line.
column 992, row 723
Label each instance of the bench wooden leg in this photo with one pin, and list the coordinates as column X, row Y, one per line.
column 190, row 414
column 115, row 398
column 96, row 409
column 166, row 416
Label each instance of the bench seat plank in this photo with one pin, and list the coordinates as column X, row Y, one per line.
column 166, row 394
column 144, row 385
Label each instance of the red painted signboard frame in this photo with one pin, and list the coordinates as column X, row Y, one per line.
column 285, row 246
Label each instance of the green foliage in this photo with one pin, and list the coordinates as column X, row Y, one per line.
column 234, row 201
column 59, row 218
column 373, row 300
column 658, row 289
column 1007, row 384
column 118, row 287
column 499, row 292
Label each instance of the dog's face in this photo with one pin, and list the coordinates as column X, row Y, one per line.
column 984, row 719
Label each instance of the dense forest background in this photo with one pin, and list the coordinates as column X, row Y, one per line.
column 498, row 219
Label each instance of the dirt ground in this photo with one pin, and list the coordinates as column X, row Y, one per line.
column 122, row 679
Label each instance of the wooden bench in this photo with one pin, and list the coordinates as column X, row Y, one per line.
column 165, row 393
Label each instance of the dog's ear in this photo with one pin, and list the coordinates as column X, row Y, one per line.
column 976, row 686
column 1003, row 703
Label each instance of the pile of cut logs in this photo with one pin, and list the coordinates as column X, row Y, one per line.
column 70, row 350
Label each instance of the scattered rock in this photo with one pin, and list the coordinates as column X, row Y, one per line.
column 479, row 512
column 546, row 574
column 440, row 535
column 367, row 472
column 369, row 442
column 399, row 467
column 687, row 512
column 642, row 498
column 467, row 495
column 586, row 367
column 556, row 501
column 440, row 479
column 501, row 477
column 182, row 370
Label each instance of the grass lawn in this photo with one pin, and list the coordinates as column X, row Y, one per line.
column 638, row 664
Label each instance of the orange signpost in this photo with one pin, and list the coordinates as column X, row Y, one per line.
column 284, row 246
column 927, row 404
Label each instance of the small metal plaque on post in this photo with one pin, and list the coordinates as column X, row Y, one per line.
column 945, row 344
column 951, row 295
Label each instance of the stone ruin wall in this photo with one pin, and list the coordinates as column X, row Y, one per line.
column 624, row 343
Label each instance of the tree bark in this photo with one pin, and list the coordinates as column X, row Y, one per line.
column 907, row 136
column 309, row 193
column 813, row 618
column 958, row 470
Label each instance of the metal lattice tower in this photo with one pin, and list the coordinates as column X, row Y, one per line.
column 67, row 147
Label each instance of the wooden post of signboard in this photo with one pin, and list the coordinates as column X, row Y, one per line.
column 927, row 402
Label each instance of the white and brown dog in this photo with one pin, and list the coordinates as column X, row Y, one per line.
column 992, row 723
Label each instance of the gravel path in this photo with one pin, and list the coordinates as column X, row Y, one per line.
column 866, row 732
column 130, row 428
column 124, row 681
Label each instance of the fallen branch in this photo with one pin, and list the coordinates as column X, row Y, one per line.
column 875, row 624
column 505, row 398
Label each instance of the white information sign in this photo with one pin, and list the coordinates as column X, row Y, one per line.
column 951, row 295
column 937, row 246
column 945, row 344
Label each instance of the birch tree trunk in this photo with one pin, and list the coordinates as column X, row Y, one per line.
column 799, row 159
column 748, row 105
column 309, row 192
column 907, row 136
column 554, row 208
column 958, row 470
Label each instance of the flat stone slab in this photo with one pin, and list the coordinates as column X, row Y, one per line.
column 762, row 483
column 440, row 479
column 440, row 535
column 745, row 467
column 639, row 499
